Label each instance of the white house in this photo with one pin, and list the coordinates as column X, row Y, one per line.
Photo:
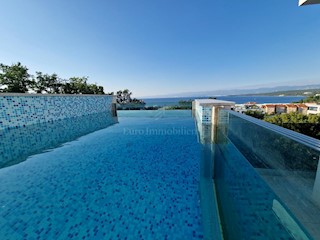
column 313, row 108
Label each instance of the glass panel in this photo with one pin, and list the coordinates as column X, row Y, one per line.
column 268, row 178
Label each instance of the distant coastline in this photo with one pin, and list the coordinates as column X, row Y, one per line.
column 289, row 90
column 238, row 99
column 297, row 93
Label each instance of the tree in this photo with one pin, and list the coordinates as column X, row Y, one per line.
column 305, row 124
column 79, row 85
column 255, row 114
column 15, row 78
column 124, row 96
column 126, row 102
column 47, row 83
column 95, row 89
column 314, row 98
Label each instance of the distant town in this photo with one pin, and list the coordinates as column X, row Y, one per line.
column 278, row 108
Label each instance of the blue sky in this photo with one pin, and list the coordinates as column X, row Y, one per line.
column 165, row 46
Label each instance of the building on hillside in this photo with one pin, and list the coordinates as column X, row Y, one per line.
column 291, row 108
column 285, row 108
column 240, row 108
column 302, row 108
column 281, row 108
column 249, row 104
column 307, row 108
column 269, row 108
column 313, row 108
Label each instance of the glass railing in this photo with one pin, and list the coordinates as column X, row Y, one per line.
column 266, row 180
column 17, row 144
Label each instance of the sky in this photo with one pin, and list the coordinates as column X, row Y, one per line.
column 159, row 47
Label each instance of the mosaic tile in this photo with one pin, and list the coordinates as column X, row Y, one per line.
column 19, row 111
column 121, row 182
column 17, row 144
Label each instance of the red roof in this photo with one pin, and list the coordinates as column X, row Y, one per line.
column 250, row 103
column 301, row 105
column 291, row 105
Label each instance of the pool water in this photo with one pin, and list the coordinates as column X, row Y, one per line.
column 146, row 176
column 137, row 179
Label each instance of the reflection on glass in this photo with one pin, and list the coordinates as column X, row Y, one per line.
column 283, row 169
column 245, row 200
column 18, row 144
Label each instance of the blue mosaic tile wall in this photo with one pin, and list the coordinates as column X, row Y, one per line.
column 203, row 120
column 204, row 114
column 17, row 144
column 22, row 110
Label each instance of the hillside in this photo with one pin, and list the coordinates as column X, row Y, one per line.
column 303, row 92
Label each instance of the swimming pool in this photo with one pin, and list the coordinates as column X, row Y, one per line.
column 138, row 179
column 149, row 177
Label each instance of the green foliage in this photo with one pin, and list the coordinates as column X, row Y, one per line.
column 314, row 98
column 14, row 78
column 46, row 83
column 298, row 122
column 125, row 102
column 255, row 114
column 252, row 106
column 267, row 149
column 124, row 97
column 79, row 85
column 184, row 104
column 180, row 107
column 305, row 124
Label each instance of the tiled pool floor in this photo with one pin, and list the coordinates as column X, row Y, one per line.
column 287, row 189
column 138, row 179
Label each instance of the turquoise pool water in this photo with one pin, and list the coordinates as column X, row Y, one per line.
column 137, row 179
column 148, row 177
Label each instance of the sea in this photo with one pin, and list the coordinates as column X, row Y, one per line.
column 237, row 99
